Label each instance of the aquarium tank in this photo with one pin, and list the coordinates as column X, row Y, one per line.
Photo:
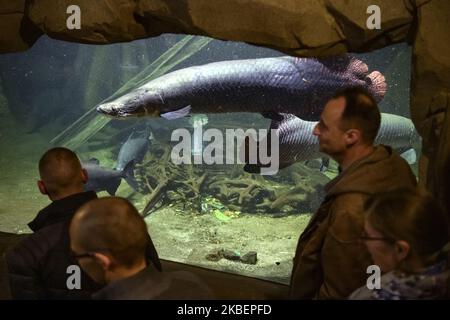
column 217, row 215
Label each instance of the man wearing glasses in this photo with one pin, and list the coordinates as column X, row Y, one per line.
column 109, row 239
column 330, row 260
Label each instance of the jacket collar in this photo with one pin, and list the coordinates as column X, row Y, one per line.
column 131, row 286
column 382, row 170
column 60, row 210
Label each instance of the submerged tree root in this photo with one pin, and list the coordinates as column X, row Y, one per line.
column 164, row 183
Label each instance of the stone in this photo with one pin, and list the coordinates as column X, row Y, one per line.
column 307, row 27
column 214, row 256
column 18, row 33
column 430, row 93
column 230, row 255
column 351, row 21
column 102, row 21
column 249, row 258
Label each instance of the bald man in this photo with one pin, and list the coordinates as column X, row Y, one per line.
column 330, row 260
column 108, row 238
column 38, row 265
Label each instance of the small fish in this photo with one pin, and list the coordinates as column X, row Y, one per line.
column 134, row 149
column 105, row 179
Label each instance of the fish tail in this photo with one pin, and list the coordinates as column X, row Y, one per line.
column 112, row 189
column 128, row 174
column 376, row 85
column 358, row 68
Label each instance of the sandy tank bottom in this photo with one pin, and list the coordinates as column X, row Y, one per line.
column 190, row 238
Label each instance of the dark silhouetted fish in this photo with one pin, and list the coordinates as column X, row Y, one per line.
column 299, row 86
column 134, row 149
column 297, row 142
column 104, row 179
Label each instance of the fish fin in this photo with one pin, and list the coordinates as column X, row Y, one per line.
column 273, row 115
column 112, row 189
column 376, row 85
column 375, row 81
column 276, row 118
column 180, row 113
column 250, row 165
column 410, row 156
column 256, row 168
column 343, row 63
column 250, row 152
column 357, row 67
column 94, row 161
column 128, row 175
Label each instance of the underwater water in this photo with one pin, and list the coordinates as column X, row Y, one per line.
column 216, row 215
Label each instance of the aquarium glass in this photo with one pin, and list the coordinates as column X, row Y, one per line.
column 216, row 216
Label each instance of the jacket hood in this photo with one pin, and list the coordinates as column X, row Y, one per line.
column 382, row 170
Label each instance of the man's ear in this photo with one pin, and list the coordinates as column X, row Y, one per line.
column 402, row 249
column 84, row 176
column 352, row 136
column 42, row 187
column 104, row 260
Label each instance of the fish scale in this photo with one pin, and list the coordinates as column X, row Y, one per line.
column 299, row 86
column 297, row 142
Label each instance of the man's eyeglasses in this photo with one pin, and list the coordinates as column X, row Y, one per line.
column 365, row 237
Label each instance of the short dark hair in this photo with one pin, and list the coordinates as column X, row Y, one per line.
column 112, row 224
column 60, row 168
column 361, row 112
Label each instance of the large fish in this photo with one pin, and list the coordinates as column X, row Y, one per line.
column 299, row 86
column 104, row 179
column 297, row 142
column 134, row 149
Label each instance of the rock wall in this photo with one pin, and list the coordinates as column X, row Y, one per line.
column 17, row 32
column 430, row 94
column 296, row 27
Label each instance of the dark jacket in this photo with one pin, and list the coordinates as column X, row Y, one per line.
column 330, row 262
column 7, row 241
column 37, row 266
column 150, row 284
